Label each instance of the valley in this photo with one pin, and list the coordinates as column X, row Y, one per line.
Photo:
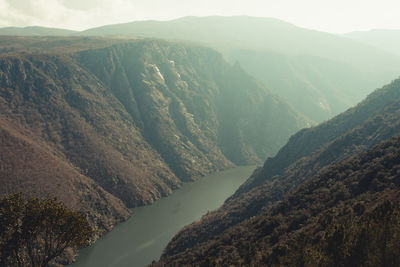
column 111, row 124
column 151, row 131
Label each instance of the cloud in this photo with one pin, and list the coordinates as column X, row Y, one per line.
column 83, row 14
column 333, row 16
column 81, row 5
column 72, row 14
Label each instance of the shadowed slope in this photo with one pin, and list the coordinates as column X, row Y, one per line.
column 307, row 153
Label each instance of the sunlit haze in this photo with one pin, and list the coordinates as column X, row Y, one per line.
column 332, row 16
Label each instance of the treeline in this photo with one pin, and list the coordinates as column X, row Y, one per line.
column 34, row 232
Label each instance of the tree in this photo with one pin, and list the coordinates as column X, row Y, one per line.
column 33, row 232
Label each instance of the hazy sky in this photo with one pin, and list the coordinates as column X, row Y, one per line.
column 327, row 15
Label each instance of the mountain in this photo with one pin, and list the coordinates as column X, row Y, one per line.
column 12, row 45
column 35, row 31
column 318, row 87
column 388, row 40
column 319, row 74
column 110, row 124
column 252, row 33
column 34, row 167
column 347, row 215
column 343, row 160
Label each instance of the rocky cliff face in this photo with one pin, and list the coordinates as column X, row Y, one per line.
column 307, row 154
column 121, row 123
column 320, row 74
column 192, row 91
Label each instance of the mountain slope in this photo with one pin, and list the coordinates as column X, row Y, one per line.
column 33, row 167
column 130, row 121
column 317, row 87
column 374, row 119
column 217, row 106
column 307, row 153
column 304, row 66
column 388, row 40
column 306, row 227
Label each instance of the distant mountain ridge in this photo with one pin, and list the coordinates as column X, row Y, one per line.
column 388, row 40
column 305, row 67
column 255, row 33
column 304, row 159
column 319, row 74
column 35, row 31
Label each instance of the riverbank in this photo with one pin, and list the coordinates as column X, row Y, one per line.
column 141, row 239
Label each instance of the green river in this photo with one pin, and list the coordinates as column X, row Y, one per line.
column 141, row 239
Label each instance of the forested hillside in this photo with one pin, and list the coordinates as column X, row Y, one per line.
column 346, row 215
column 307, row 154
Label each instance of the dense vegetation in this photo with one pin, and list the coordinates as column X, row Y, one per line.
column 306, row 156
column 34, row 232
column 368, row 240
column 346, row 215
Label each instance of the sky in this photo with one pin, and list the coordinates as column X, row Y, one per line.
column 335, row 16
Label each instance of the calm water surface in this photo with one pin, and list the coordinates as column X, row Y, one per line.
column 141, row 239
